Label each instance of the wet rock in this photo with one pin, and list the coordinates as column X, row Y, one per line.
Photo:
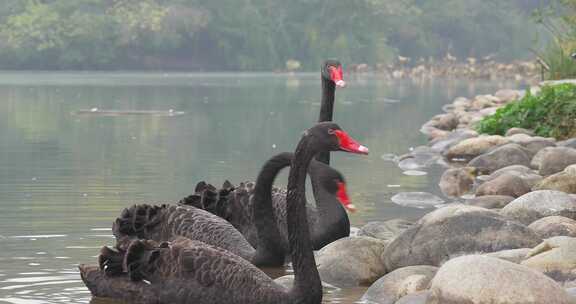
column 506, row 184
column 523, row 172
column 556, row 160
column 552, row 226
column 385, row 231
column 554, row 256
column 514, row 131
column 433, row 239
column 457, row 181
column 490, row 201
column 479, row 279
column 472, row 147
column 417, row 199
column 350, row 262
column 446, row 122
column 398, row 283
column 532, row 144
column 538, row 204
column 564, row 181
column 504, row 156
column 512, row 255
column 443, row 143
column 415, row 298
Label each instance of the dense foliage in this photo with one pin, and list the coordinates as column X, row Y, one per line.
column 255, row 34
column 550, row 113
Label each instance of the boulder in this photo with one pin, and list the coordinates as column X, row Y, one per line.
column 446, row 122
column 472, row 147
column 538, row 204
column 525, row 173
column 564, row 181
column 537, row 158
column 490, row 201
column 455, row 230
column 350, row 262
column 457, row 181
column 511, row 255
column 504, row 156
column 555, row 257
column 506, row 184
column 556, row 160
column 552, row 226
column 398, row 283
column 477, row 279
column 385, row 231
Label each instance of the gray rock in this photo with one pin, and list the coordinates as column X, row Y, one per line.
column 537, row 158
column 504, row 156
column 556, row 160
column 512, row 255
column 446, row 122
column 564, row 181
column 555, row 257
column 398, row 283
column 350, row 262
column 506, row 184
column 385, row 231
column 457, row 181
column 479, row 279
column 514, row 131
column 472, row 147
column 490, row 201
column 552, row 226
column 455, row 230
column 519, row 169
column 538, row 204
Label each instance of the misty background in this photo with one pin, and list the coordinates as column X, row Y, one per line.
column 202, row 35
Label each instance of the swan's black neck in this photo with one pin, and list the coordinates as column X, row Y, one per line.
column 326, row 111
column 332, row 218
column 269, row 249
column 307, row 285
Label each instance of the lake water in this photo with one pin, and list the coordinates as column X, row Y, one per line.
column 65, row 177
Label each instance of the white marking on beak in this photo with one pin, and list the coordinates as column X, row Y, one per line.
column 351, row 207
column 341, row 83
column 363, row 149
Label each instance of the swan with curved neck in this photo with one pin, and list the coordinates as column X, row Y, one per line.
column 186, row 271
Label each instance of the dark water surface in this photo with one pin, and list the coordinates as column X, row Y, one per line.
column 65, row 177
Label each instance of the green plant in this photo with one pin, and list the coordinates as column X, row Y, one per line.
column 550, row 113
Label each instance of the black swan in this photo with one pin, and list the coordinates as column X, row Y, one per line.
column 328, row 220
column 187, row 271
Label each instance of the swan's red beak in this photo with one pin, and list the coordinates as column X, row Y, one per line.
column 336, row 76
column 348, row 144
column 342, row 196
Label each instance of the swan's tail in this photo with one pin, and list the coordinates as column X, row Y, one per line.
column 208, row 198
column 140, row 258
column 137, row 220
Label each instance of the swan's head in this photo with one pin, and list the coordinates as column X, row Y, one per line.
column 332, row 70
column 332, row 182
column 331, row 137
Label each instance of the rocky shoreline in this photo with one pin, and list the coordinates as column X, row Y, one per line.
column 508, row 235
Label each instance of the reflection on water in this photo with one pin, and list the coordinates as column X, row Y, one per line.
column 64, row 177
